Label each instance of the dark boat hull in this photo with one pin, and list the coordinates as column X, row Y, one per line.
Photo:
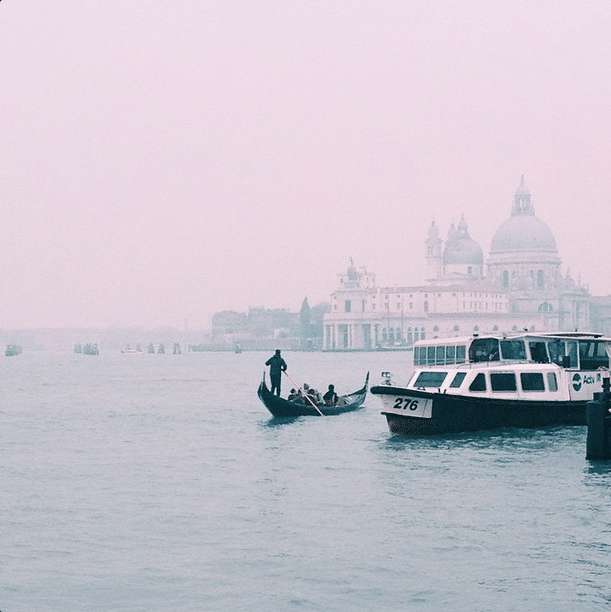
column 282, row 408
column 454, row 413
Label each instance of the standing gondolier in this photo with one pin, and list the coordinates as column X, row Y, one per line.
column 277, row 365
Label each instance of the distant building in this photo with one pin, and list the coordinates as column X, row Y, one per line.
column 256, row 328
column 600, row 314
column 227, row 323
column 263, row 329
column 520, row 286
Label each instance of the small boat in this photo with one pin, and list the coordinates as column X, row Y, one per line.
column 280, row 407
column 490, row 381
column 12, row 350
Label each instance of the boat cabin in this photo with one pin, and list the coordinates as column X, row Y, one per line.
column 568, row 350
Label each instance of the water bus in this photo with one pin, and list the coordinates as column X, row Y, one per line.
column 490, row 381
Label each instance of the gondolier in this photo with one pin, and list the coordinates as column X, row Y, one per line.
column 277, row 365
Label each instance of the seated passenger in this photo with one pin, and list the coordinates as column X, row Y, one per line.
column 305, row 394
column 330, row 397
column 314, row 395
column 293, row 395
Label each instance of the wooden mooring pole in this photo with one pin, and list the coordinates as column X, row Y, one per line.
column 598, row 445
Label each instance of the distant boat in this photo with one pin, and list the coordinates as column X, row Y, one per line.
column 131, row 351
column 237, row 348
column 12, row 350
column 280, row 407
column 394, row 347
column 91, row 348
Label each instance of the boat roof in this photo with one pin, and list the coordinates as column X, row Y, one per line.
column 501, row 366
column 513, row 336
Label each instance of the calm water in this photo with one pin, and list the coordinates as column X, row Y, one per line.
column 159, row 482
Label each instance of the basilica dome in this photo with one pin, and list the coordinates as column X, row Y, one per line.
column 460, row 248
column 523, row 231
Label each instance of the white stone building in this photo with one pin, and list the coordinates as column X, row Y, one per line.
column 521, row 286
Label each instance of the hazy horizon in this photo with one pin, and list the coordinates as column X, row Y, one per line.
column 161, row 162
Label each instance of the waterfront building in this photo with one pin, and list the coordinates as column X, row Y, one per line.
column 521, row 286
column 267, row 329
column 260, row 328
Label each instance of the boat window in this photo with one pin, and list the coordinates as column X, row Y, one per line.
column 461, row 353
column 430, row 355
column 556, row 350
column 538, row 352
column 424, row 350
column 513, row 349
column 590, row 357
column 479, row 383
column 430, row 379
column 503, row 381
column 458, row 379
column 484, row 349
column 571, row 351
column 420, row 355
column 440, row 359
column 583, row 349
column 552, row 383
column 532, row 381
column 601, row 349
column 450, row 354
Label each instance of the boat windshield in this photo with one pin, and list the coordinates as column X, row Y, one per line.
column 484, row 349
column 513, row 349
column 593, row 355
column 538, row 352
column 557, row 351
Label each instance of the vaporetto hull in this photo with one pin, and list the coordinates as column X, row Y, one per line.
column 442, row 413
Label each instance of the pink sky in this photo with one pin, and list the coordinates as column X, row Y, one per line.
column 161, row 161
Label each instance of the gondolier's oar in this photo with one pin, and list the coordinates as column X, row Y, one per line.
column 306, row 395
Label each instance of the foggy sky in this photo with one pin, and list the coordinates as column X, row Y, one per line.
column 161, row 161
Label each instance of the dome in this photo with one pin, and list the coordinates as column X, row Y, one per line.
column 523, row 231
column 463, row 251
column 460, row 248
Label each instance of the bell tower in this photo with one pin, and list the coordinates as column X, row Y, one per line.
column 433, row 254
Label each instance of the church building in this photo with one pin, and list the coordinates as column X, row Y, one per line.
column 521, row 286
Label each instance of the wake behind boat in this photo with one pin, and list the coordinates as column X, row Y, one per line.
column 486, row 382
column 281, row 407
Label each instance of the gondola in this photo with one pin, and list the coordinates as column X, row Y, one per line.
column 280, row 407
